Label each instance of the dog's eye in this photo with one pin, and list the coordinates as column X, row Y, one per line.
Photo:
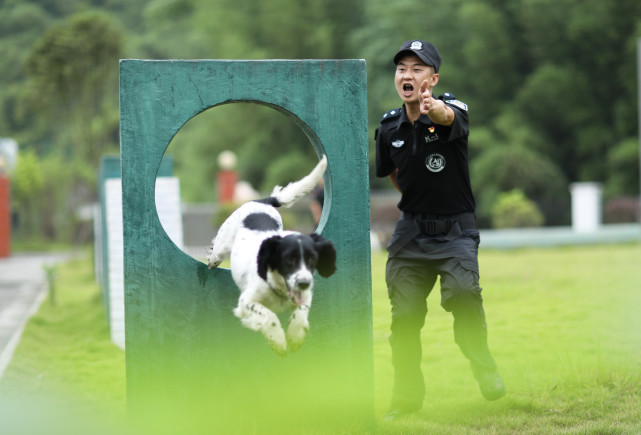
column 311, row 261
column 290, row 260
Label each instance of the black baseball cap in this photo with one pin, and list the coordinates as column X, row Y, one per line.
column 424, row 50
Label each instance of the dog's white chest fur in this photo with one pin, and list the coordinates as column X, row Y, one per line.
column 273, row 291
column 274, row 268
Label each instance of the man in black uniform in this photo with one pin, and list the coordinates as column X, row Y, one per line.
column 422, row 148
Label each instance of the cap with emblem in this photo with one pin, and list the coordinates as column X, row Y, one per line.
column 424, row 50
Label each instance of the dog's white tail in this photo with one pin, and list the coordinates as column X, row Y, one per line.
column 294, row 191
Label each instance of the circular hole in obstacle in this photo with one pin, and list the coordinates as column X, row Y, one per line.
column 225, row 156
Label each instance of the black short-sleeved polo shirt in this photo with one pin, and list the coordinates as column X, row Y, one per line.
column 432, row 160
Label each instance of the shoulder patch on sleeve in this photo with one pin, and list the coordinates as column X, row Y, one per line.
column 459, row 104
column 447, row 96
column 394, row 113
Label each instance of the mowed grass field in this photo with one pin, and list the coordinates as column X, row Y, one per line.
column 564, row 327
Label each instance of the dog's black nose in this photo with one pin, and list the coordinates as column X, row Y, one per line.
column 303, row 285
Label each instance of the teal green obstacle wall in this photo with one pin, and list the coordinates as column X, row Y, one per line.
column 185, row 351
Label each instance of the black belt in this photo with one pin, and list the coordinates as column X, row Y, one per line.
column 433, row 225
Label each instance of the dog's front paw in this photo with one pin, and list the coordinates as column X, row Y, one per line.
column 296, row 333
column 276, row 338
column 212, row 262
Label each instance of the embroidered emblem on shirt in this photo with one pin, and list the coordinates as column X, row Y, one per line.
column 398, row 143
column 435, row 162
column 432, row 136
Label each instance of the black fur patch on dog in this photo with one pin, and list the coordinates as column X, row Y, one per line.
column 285, row 254
column 261, row 222
column 326, row 264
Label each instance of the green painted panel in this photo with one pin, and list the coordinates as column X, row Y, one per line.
column 185, row 349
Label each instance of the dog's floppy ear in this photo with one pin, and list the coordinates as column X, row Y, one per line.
column 266, row 253
column 326, row 265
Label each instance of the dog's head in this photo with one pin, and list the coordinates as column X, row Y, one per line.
column 292, row 260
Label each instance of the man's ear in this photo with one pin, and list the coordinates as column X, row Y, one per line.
column 429, row 83
column 435, row 78
column 326, row 265
column 266, row 255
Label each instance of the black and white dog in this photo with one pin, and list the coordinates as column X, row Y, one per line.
column 274, row 268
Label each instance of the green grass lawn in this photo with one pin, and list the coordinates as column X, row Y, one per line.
column 563, row 326
column 65, row 366
column 565, row 331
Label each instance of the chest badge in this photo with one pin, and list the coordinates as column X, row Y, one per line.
column 432, row 135
column 435, row 162
column 398, row 143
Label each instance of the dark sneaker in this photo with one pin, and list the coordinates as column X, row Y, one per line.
column 491, row 384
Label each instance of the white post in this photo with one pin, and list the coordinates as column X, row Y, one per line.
column 586, row 206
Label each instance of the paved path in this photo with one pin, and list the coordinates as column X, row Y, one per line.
column 22, row 290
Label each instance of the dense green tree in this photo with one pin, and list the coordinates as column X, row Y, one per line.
column 65, row 109
column 21, row 24
column 623, row 167
column 259, row 144
column 551, row 84
column 484, row 65
column 260, row 136
column 581, row 62
column 73, row 76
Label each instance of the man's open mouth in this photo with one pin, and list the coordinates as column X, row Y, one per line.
column 408, row 89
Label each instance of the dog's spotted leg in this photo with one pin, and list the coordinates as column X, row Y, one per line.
column 212, row 260
column 221, row 245
column 218, row 251
column 257, row 317
column 298, row 327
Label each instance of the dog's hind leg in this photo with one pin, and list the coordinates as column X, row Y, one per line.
column 257, row 317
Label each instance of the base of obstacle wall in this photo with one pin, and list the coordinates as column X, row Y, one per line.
column 273, row 414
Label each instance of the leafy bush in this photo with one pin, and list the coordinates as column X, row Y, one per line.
column 49, row 210
column 514, row 210
column 27, row 186
column 506, row 167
